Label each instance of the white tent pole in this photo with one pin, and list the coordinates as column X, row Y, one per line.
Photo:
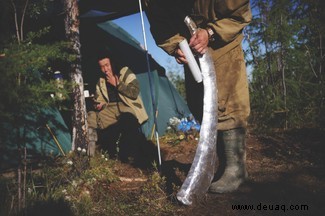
column 143, row 29
column 152, row 96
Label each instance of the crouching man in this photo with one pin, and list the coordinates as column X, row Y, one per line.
column 117, row 104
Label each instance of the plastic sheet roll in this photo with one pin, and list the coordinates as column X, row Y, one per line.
column 194, row 67
column 202, row 170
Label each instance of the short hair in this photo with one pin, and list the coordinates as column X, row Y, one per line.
column 103, row 53
column 106, row 53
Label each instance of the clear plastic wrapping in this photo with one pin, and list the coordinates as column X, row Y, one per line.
column 202, row 170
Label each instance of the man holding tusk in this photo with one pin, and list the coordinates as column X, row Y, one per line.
column 220, row 31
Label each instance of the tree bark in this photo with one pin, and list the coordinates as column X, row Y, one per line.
column 22, row 21
column 79, row 123
column 16, row 21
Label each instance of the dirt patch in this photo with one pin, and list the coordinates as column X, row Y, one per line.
column 286, row 176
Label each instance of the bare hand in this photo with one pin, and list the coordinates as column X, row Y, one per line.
column 180, row 57
column 113, row 80
column 98, row 106
column 199, row 41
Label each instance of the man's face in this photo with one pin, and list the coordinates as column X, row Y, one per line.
column 106, row 67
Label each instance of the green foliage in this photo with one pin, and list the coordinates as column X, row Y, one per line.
column 37, row 7
column 24, row 83
column 179, row 82
column 8, row 190
column 176, row 77
column 287, row 80
column 72, row 182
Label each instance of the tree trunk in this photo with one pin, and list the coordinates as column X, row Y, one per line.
column 284, row 87
column 16, row 21
column 22, row 21
column 79, row 123
column 320, row 70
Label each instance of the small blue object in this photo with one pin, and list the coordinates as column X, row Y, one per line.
column 187, row 124
column 58, row 75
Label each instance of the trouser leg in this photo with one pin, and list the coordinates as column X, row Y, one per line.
column 194, row 95
column 130, row 136
column 92, row 134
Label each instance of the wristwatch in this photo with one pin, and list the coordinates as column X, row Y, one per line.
column 210, row 33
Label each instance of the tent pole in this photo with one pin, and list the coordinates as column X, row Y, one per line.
column 150, row 81
column 55, row 140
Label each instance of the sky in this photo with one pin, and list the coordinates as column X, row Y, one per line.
column 132, row 24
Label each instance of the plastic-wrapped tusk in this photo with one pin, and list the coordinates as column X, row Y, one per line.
column 194, row 67
column 202, row 170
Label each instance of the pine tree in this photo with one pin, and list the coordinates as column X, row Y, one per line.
column 282, row 42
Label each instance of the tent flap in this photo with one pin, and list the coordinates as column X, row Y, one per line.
column 109, row 9
column 43, row 134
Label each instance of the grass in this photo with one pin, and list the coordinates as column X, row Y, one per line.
column 79, row 185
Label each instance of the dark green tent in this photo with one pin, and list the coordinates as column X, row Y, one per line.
column 44, row 134
column 129, row 52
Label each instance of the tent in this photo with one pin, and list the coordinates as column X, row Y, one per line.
column 48, row 134
column 108, row 9
column 44, row 133
column 127, row 50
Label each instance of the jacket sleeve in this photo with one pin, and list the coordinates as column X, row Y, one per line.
column 232, row 17
column 129, row 85
column 99, row 97
column 165, row 26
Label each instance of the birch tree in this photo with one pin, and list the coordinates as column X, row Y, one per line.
column 79, row 123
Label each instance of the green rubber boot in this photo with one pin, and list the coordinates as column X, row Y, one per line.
column 233, row 142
